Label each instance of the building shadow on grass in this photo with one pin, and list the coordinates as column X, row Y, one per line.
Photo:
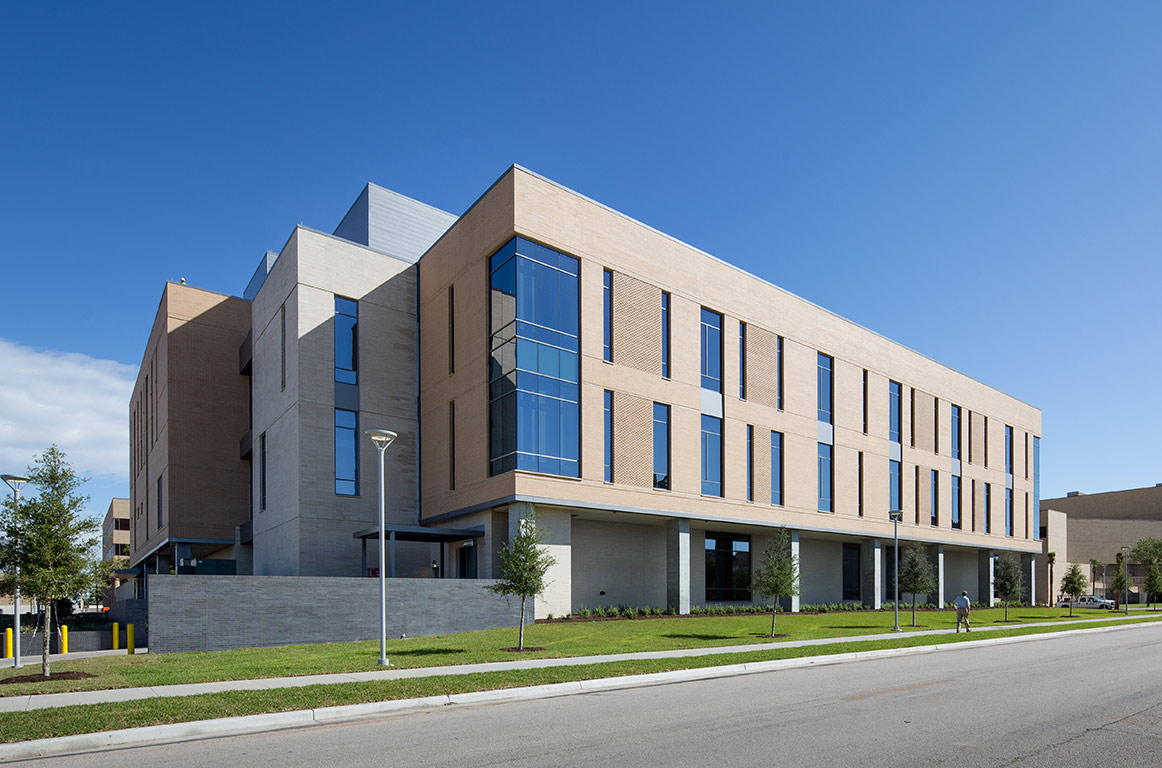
column 429, row 652
column 700, row 637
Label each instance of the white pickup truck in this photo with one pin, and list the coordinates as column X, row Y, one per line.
column 1088, row 601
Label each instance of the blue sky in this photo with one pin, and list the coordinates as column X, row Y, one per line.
column 981, row 182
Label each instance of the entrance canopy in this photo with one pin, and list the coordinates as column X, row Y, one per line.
column 421, row 533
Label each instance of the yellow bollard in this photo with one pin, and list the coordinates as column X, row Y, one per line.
column 64, row 639
column 129, row 639
column 8, row 643
column 116, row 636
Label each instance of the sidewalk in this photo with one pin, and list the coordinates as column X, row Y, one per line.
column 39, row 701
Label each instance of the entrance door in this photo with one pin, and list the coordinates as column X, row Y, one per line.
column 467, row 563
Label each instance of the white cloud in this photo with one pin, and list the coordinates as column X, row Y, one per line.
column 76, row 401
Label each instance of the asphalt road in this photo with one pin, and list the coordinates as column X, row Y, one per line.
column 1091, row 700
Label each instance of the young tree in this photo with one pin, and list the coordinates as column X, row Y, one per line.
column 1147, row 551
column 523, row 565
column 1009, row 579
column 1051, row 558
column 917, row 573
column 1074, row 584
column 50, row 542
column 777, row 575
column 1093, row 566
column 1153, row 582
column 1118, row 582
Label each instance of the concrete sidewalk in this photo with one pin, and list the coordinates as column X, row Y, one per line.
column 39, row 701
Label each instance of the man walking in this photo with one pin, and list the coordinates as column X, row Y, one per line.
column 963, row 606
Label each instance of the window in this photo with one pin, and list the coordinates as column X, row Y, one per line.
column 662, row 446
column 916, row 491
column 865, row 401
column 1041, row 532
column 956, row 501
column 935, row 497
column 859, row 484
column 986, row 442
column 895, row 486
column 607, row 349
column 988, row 507
column 825, row 379
column 1008, row 450
column 970, row 437
column 120, row 524
column 779, row 364
column 534, row 419
column 727, row 566
column 826, row 477
column 346, row 340
column 1026, row 464
column 936, row 425
column 742, row 361
column 159, row 502
column 777, row 468
column 665, row 335
column 956, row 432
column 262, row 472
column 451, row 330
column 749, row 462
column 711, row 350
column 893, row 411
column 608, row 436
column 452, row 446
column 121, row 550
column 912, row 420
column 851, row 571
column 711, row 456
column 282, row 344
column 346, row 453
column 1008, row 511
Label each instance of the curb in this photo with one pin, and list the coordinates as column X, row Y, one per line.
column 247, row 724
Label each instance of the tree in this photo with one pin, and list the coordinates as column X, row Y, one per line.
column 50, row 542
column 1074, row 584
column 917, row 573
column 1147, row 551
column 1009, row 579
column 523, row 565
column 1093, row 566
column 1153, row 582
column 777, row 576
column 1118, row 581
column 1051, row 558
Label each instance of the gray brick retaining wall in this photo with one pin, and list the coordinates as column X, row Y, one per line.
column 213, row 613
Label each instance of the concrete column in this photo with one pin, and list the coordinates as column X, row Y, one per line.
column 871, row 563
column 936, row 557
column 557, row 598
column 1029, row 566
column 798, row 569
column 985, row 576
column 678, row 565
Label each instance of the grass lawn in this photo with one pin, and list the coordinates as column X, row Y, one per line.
column 559, row 640
column 63, row 721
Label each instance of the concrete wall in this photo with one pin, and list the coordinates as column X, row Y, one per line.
column 211, row 613
column 961, row 573
column 820, row 571
column 621, row 564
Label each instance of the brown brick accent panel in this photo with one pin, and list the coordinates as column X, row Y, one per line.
column 925, row 421
column 762, row 369
column 633, row 443
column 637, row 324
column 924, row 503
column 978, row 505
column 762, row 464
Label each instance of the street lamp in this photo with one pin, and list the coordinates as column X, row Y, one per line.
column 896, row 515
column 15, row 482
column 1126, row 563
column 382, row 438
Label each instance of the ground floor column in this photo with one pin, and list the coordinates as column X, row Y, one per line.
column 941, row 593
column 871, row 560
column 798, row 569
column 556, row 525
column 985, row 576
column 678, row 565
column 1029, row 568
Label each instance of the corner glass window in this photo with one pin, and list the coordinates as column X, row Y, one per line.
column 727, row 567
column 346, row 452
column 346, row 340
column 711, row 350
column 711, row 456
column 825, row 380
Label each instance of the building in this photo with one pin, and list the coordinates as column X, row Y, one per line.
column 1090, row 529
column 657, row 411
column 115, row 531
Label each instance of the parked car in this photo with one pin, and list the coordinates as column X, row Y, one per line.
column 1088, row 601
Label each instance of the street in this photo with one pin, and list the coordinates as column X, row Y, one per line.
column 1093, row 699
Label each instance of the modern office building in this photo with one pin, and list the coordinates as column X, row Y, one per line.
column 115, row 531
column 658, row 412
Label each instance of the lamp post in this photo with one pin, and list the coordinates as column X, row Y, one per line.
column 896, row 515
column 1126, row 564
column 15, row 482
column 382, row 438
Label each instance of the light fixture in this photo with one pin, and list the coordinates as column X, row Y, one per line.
column 382, row 438
column 15, row 482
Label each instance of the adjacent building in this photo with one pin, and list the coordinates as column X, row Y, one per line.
column 657, row 411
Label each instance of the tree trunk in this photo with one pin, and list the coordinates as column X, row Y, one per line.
column 1006, row 610
column 774, row 610
column 47, row 638
column 913, row 609
column 521, row 643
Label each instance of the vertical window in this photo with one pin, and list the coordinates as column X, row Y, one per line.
column 159, row 502
column 895, row 486
column 451, row 330
column 956, row 432
column 956, row 501
column 262, row 472
column 665, row 335
column 1008, row 450
column 662, row 446
column 936, row 425
column 935, row 497
column 749, row 462
column 1008, row 511
column 916, row 492
column 1025, row 496
column 852, row 571
column 608, row 436
column 711, row 456
column 986, row 442
column 282, row 345
column 777, row 468
column 1037, row 488
column 865, row 401
column 452, row 446
column 1026, row 465
column 859, row 487
column 742, row 361
column 711, row 350
column 825, row 377
column 607, row 349
column 826, row 477
column 970, row 437
column 346, row 340
column 988, row 507
column 346, row 453
column 972, row 504
column 893, row 411
column 727, row 566
column 912, row 420
column 779, row 365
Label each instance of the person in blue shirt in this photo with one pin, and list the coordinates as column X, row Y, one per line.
column 963, row 607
